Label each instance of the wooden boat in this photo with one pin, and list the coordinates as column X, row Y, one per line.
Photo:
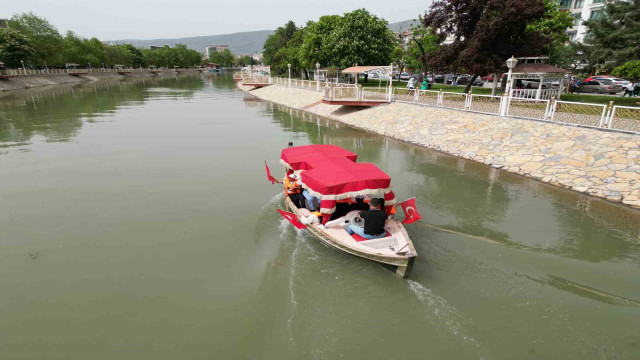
column 332, row 174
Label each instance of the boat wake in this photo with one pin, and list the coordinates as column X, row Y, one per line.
column 443, row 311
column 299, row 243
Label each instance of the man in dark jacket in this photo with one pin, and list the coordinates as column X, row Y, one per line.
column 374, row 221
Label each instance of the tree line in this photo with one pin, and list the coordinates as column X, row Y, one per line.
column 461, row 36
column 34, row 41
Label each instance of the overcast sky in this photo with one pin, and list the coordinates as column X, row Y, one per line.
column 151, row 19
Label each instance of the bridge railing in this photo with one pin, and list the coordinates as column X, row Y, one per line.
column 21, row 72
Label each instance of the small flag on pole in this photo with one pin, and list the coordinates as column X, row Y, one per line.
column 293, row 219
column 269, row 177
column 410, row 212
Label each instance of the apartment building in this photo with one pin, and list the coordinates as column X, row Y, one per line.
column 582, row 10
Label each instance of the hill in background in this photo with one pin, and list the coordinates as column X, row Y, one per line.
column 239, row 43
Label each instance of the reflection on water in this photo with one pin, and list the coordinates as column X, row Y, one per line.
column 137, row 223
column 57, row 113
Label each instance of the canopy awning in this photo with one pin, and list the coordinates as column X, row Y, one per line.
column 537, row 68
column 363, row 69
column 332, row 173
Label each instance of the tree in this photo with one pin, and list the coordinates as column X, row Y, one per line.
column 361, row 38
column 422, row 43
column 485, row 33
column 614, row 38
column 222, row 58
column 554, row 24
column 275, row 43
column 628, row 70
column 14, row 48
column 44, row 37
column 315, row 48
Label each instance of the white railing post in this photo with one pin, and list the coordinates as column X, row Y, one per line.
column 468, row 100
column 440, row 98
column 416, row 95
column 552, row 109
column 504, row 100
column 612, row 113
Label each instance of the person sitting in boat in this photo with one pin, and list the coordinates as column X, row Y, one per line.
column 374, row 222
column 293, row 189
column 359, row 204
column 312, row 202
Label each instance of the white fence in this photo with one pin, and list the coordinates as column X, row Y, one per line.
column 525, row 105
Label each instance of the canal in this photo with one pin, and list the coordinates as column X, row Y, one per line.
column 136, row 222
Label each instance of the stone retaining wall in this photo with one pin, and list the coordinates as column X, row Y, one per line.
column 22, row 82
column 601, row 163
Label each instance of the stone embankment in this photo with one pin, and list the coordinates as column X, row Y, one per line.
column 22, row 82
column 601, row 163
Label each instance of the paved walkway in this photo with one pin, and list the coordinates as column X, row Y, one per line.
column 600, row 163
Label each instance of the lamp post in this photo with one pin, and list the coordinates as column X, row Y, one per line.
column 506, row 97
column 511, row 63
column 23, row 69
column 289, row 66
column 318, row 76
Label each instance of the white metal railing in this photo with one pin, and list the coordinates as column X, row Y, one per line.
column 528, row 108
column 623, row 118
column 545, row 94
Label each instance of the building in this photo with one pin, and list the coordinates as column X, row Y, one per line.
column 3, row 23
column 582, row 10
column 211, row 49
column 155, row 47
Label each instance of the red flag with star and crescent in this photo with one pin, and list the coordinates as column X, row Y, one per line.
column 293, row 219
column 269, row 177
column 410, row 212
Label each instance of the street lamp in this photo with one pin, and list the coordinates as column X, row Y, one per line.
column 22, row 62
column 511, row 63
column 317, row 76
column 289, row 66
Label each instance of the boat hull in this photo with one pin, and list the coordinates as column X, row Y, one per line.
column 402, row 265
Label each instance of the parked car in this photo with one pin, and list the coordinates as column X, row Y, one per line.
column 464, row 80
column 405, row 76
column 534, row 83
column 617, row 81
column 600, row 87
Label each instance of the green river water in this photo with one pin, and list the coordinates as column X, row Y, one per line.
column 136, row 222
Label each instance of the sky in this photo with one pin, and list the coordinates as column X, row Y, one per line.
column 153, row 19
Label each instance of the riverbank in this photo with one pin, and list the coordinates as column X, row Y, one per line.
column 22, row 82
column 600, row 163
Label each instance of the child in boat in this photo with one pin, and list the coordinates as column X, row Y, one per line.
column 374, row 221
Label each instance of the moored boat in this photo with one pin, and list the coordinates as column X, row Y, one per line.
column 331, row 175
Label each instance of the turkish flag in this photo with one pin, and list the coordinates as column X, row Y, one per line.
column 269, row 177
column 293, row 219
column 410, row 212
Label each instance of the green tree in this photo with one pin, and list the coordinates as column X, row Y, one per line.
column 315, row 48
column 614, row 38
column 361, row 38
column 15, row 47
column 275, row 42
column 628, row 70
column 44, row 37
column 554, row 24
column 224, row 58
column 422, row 43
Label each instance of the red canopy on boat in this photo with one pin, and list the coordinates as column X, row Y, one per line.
column 331, row 173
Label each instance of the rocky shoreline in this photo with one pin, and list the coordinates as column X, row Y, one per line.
column 600, row 163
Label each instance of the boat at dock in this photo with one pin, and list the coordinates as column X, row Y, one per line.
column 332, row 176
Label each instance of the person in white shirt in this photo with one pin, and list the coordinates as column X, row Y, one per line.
column 412, row 84
column 628, row 90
